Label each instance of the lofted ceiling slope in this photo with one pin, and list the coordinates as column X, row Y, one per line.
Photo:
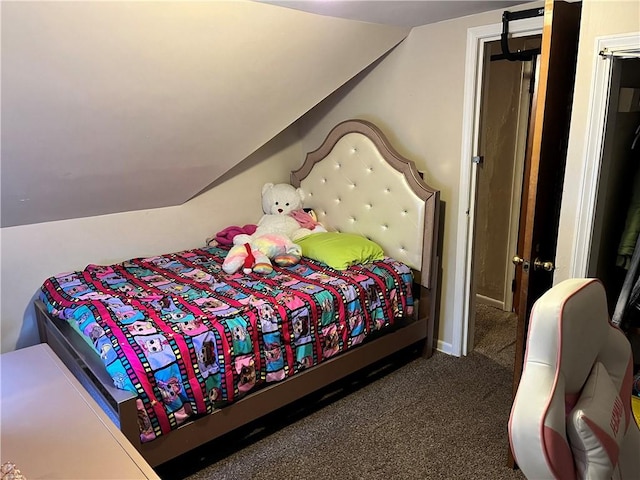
column 407, row 13
column 118, row 106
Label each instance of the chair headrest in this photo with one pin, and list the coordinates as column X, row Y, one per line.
column 568, row 328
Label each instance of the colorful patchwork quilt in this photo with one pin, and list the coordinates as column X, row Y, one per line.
column 187, row 338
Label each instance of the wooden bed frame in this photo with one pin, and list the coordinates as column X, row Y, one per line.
column 355, row 182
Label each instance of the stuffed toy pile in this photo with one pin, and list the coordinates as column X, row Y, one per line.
column 283, row 221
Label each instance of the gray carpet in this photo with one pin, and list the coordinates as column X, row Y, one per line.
column 443, row 417
column 495, row 334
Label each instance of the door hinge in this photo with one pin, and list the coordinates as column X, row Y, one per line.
column 479, row 159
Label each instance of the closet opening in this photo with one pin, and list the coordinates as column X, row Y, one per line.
column 614, row 255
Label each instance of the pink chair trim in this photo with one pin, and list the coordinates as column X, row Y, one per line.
column 625, row 394
column 556, row 448
column 558, row 453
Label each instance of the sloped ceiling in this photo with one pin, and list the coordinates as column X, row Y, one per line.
column 117, row 106
column 407, row 13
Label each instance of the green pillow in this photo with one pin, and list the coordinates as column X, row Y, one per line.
column 339, row 250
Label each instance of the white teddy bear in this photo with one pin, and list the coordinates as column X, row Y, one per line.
column 278, row 202
column 281, row 224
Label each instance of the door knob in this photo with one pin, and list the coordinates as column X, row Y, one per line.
column 517, row 260
column 547, row 266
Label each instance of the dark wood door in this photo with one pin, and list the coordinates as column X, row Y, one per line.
column 545, row 163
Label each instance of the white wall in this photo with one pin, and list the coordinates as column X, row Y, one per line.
column 599, row 18
column 32, row 253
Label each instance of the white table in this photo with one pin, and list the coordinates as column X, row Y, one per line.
column 51, row 428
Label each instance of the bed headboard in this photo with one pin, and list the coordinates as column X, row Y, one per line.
column 356, row 182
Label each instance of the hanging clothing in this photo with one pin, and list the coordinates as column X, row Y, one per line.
column 627, row 311
column 631, row 227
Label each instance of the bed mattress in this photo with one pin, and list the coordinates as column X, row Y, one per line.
column 187, row 338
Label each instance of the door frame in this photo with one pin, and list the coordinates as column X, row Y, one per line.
column 463, row 321
column 596, row 121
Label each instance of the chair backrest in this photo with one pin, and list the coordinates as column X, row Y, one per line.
column 571, row 415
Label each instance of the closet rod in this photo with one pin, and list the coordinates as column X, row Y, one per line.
column 629, row 53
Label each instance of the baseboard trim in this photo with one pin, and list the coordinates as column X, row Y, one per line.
column 445, row 347
column 492, row 302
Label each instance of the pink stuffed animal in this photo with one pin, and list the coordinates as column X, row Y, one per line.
column 226, row 236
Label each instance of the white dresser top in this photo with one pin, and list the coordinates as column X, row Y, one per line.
column 51, row 428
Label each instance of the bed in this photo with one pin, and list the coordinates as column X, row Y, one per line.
column 196, row 353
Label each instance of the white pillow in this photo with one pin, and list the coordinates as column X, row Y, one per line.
column 596, row 426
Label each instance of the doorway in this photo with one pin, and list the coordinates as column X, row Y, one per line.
column 587, row 241
column 615, row 248
column 463, row 310
column 615, row 229
column 506, row 99
column 506, row 105
column 551, row 114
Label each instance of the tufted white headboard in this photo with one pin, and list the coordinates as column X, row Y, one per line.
column 356, row 182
